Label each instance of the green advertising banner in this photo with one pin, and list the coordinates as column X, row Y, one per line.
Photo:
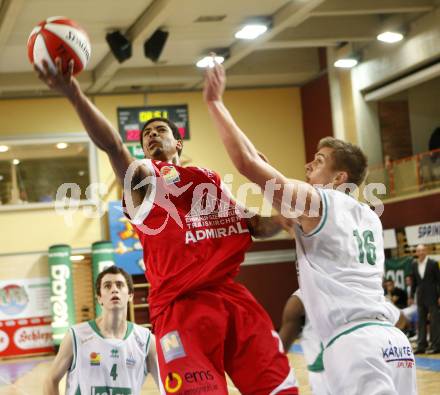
column 102, row 257
column 61, row 285
column 397, row 269
column 136, row 151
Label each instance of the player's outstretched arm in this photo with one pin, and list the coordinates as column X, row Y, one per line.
column 97, row 126
column 263, row 227
column 152, row 363
column 59, row 367
column 249, row 163
column 292, row 321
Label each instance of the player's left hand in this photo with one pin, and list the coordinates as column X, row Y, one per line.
column 215, row 81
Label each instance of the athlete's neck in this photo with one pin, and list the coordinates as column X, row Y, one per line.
column 113, row 325
column 175, row 159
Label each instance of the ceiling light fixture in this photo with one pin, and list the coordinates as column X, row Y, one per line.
column 346, row 63
column 4, row 148
column 62, row 145
column 390, row 37
column 77, row 258
column 15, row 162
column 251, row 31
column 208, row 61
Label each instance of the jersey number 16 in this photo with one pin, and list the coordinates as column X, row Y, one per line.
column 366, row 246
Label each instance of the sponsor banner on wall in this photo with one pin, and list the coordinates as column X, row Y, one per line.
column 389, row 238
column 423, row 234
column 61, row 297
column 127, row 249
column 25, row 317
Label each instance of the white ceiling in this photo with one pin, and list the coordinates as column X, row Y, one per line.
column 286, row 55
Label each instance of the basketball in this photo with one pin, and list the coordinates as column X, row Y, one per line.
column 59, row 37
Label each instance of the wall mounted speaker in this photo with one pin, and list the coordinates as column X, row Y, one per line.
column 154, row 46
column 120, row 46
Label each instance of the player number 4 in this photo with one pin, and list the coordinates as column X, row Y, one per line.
column 113, row 372
column 366, row 246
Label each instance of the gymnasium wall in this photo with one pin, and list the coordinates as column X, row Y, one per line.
column 415, row 211
column 271, row 118
column 23, row 266
column 424, row 113
column 316, row 113
column 395, row 128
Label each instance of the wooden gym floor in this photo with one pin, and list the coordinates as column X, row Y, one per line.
column 25, row 376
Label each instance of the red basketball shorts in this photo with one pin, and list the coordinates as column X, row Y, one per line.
column 223, row 329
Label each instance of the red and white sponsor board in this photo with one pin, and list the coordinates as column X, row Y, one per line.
column 25, row 317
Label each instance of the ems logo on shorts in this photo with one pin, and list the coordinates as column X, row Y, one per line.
column 172, row 346
column 170, row 175
column 173, row 382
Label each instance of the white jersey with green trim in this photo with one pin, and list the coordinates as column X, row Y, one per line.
column 103, row 366
column 341, row 265
column 310, row 342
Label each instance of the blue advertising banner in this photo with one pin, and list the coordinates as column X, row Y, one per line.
column 127, row 248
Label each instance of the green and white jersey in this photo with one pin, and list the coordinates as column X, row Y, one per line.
column 341, row 265
column 103, row 366
column 310, row 342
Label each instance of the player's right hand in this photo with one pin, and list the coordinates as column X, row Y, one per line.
column 65, row 83
column 215, row 82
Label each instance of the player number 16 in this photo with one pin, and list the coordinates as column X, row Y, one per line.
column 366, row 246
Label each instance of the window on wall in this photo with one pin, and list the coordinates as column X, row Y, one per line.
column 32, row 171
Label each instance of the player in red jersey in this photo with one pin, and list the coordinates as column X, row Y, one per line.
column 194, row 239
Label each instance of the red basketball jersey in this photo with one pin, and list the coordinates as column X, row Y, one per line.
column 191, row 232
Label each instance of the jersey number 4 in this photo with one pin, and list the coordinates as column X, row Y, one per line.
column 114, row 372
column 366, row 246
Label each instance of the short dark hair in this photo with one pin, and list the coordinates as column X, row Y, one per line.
column 170, row 123
column 347, row 157
column 114, row 270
